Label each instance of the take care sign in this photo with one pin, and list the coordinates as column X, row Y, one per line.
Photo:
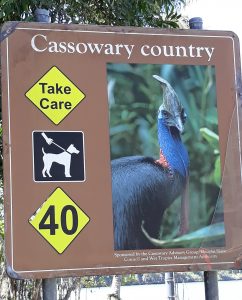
column 70, row 100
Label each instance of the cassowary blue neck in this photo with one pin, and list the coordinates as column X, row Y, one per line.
column 172, row 148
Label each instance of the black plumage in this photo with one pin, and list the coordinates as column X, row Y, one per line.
column 144, row 187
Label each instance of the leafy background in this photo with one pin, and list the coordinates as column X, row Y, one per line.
column 134, row 98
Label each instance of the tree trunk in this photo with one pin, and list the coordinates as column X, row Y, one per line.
column 36, row 289
column 5, row 288
column 115, row 288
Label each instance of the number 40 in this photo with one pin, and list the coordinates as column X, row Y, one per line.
column 52, row 225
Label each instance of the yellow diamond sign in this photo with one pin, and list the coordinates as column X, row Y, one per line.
column 55, row 95
column 59, row 220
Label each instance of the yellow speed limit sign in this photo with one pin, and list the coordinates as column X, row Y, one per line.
column 59, row 220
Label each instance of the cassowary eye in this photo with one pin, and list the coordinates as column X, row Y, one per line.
column 165, row 114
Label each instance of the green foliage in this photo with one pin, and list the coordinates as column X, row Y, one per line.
column 211, row 137
column 195, row 239
column 157, row 13
column 213, row 141
column 133, row 110
column 134, row 98
column 129, row 279
column 196, row 89
column 11, row 10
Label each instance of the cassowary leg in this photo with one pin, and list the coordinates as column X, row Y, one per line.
column 184, row 223
column 115, row 288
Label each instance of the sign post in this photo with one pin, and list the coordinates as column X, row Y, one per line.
column 49, row 284
column 67, row 117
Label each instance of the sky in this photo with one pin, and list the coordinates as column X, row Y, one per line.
column 218, row 14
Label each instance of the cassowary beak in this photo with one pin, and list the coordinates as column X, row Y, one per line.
column 179, row 124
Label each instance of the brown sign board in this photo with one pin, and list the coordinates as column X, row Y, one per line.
column 75, row 98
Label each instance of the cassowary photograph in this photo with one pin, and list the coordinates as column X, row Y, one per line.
column 165, row 160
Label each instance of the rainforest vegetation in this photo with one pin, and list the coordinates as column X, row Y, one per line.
column 134, row 99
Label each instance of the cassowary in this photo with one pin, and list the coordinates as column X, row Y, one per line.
column 144, row 187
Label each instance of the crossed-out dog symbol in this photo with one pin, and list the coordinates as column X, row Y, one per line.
column 63, row 158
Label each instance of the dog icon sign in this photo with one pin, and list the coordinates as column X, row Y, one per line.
column 58, row 156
